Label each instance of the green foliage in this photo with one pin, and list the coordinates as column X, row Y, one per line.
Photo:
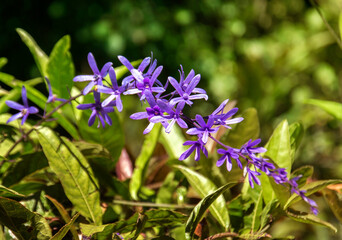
column 15, row 216
column 74, row 172
column 58, row 177
column 142, row 162
column 203, row 187
column 197, row 213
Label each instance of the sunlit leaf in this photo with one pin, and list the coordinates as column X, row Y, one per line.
column 38, row 54
column 3, row 62
column 23, row 223
column 279, row 147
column 197, row 213
column 173, row 142
column 60, row 58
column 141, row 163
column 308, row 218
column 311, row 188
column 74, row 172
column 204, row 186
column 333, row 108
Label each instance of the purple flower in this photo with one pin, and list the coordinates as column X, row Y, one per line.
column 145, row 84
column 52, row 97
column 250, row 150
column 97, row 111
column 152, row 111
column 227, row 155
column 263, row 165
column 184, row 82
column 196, row 146
column 96, row 79
column 185, row 92
column 145, row 62
column 174, row 115
column 223, row 118
column 252, row 176
column 204, row 129
column 115, row 91
column 25, row 110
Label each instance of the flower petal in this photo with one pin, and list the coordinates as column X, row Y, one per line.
column 92, row 64
column 14, row 105
column 24, row 97
column 14, row 117
column 105, row 69
column 84, row 78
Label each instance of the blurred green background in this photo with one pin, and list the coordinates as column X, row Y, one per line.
column 271, row 55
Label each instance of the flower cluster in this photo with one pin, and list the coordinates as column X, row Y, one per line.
column 166, row 107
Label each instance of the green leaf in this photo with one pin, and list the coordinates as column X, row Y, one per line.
column 23, row 223
column 141, row 163
column 257, row 213
column 311, row 188
column 296, row 135
column 65, row 229
column 249, row 128
column 110, row 137
column 167, row 190
column 65, row 215
column 334, row 199
column 197, row 213
column 3, row 62
column 60, row 58
column 305, row 172
column 333, row 108
column 173, row 142
column 279, row 147
column 308, row 218
column 340, row 25
column 204, row 186
column 39, row 55
column 155, row 218
column 11, row 191
column 74, row 172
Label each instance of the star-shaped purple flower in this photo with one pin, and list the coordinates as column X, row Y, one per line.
column 227, row 155
column 114, row 92
column 174, row 115
column 186, row 94
column 97, row 111
column 204, row 129
column 223, row 118
column 25, row 110
column 152, row 111
column 196, row 146
column 96, row 79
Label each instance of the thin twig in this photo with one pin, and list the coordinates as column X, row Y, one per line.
column 151, row 204
column 44, row 118
column 331, row 30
